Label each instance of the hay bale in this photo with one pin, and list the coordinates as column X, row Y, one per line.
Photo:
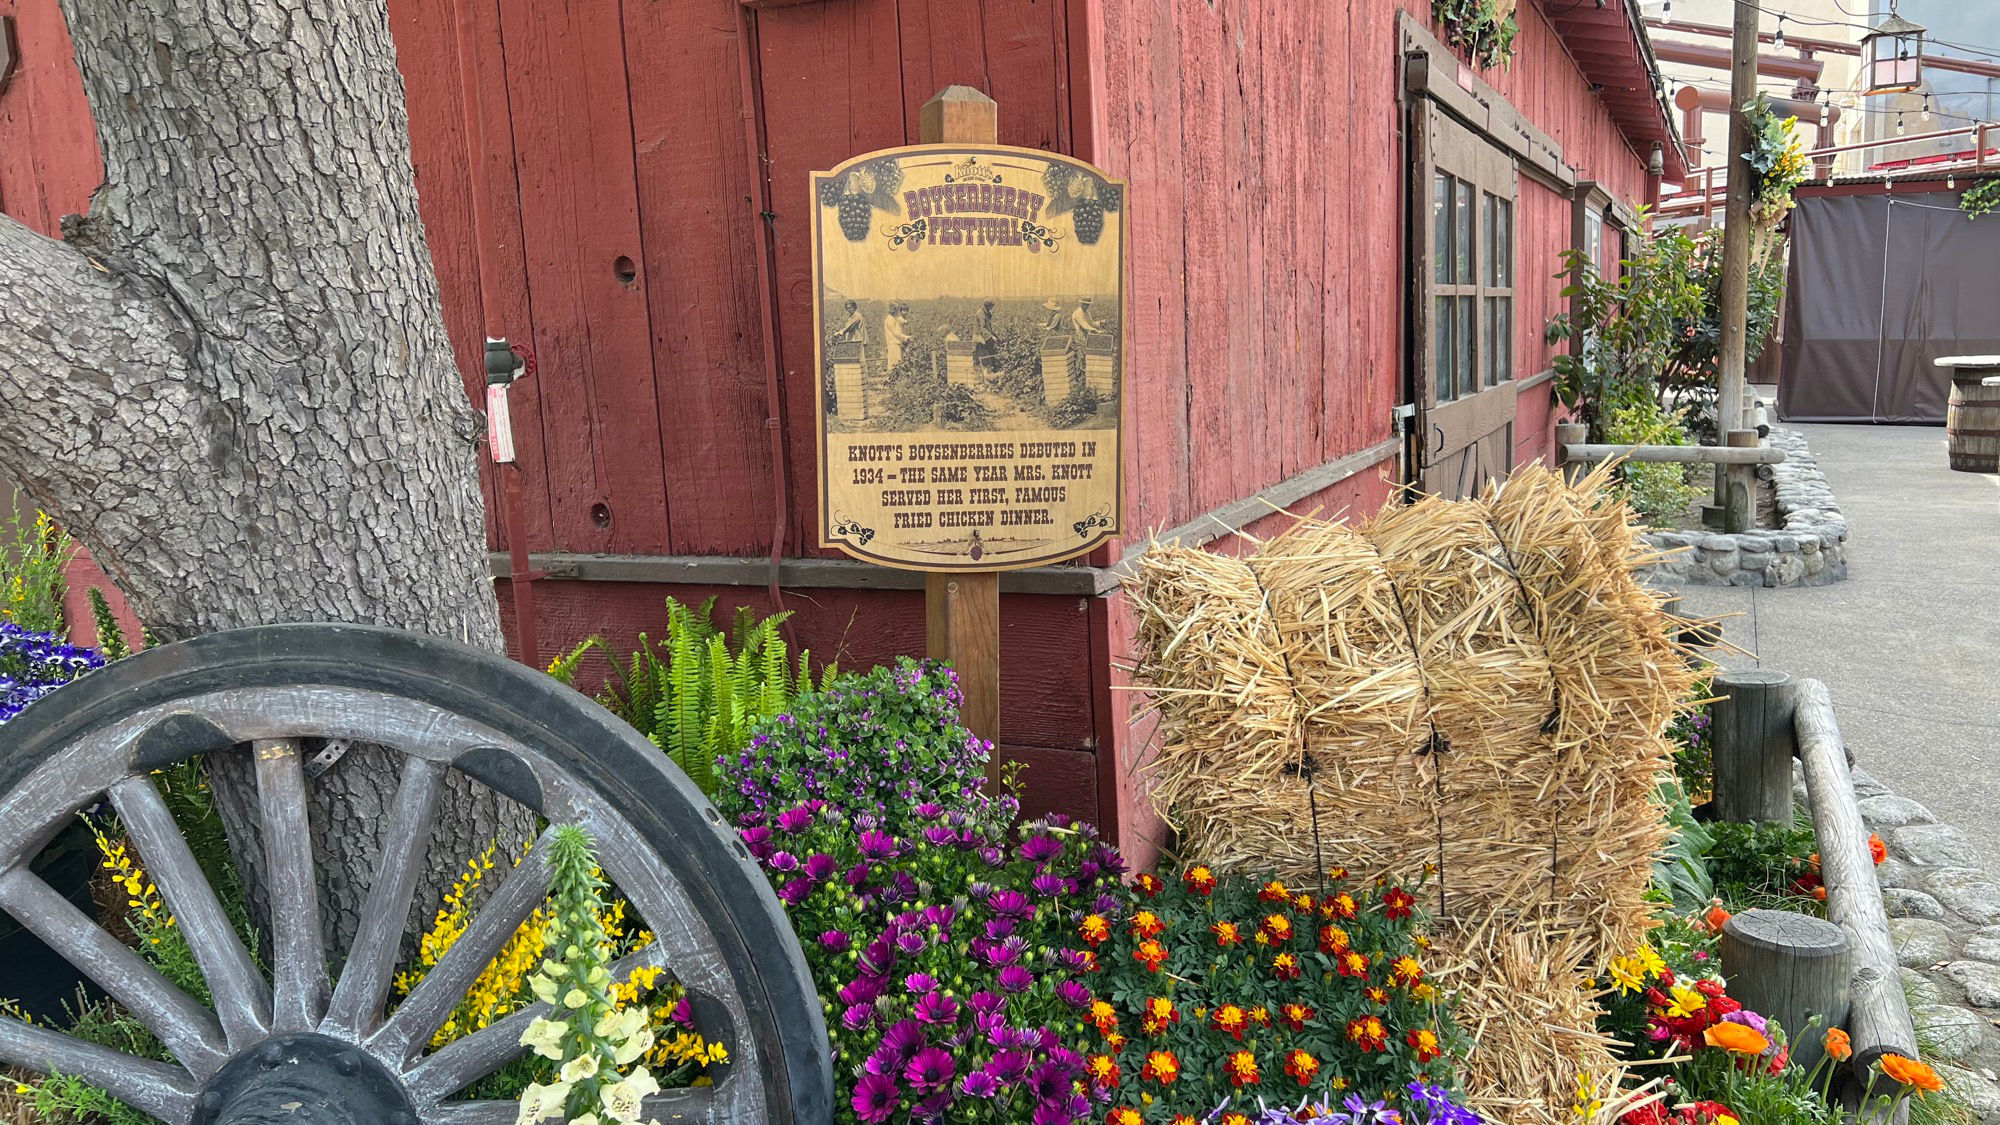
column 1478, row 685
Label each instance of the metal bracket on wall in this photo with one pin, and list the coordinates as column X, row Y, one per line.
column 334, row 750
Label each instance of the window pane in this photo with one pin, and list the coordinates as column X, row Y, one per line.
column 1593, row 239
column 1441, row 224
column 1468, row 375
column 1463, row 243
column 1489, row 350
column 1443, row 374
column 1504, row 268
column 1506, row 362
column 1499, row 365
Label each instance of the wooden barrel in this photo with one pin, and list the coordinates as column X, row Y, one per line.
column 1972, row 424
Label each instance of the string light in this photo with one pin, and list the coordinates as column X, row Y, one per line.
column 1778, row 40
column 1667, row 12
column 1927, row 107
column 1899, row 122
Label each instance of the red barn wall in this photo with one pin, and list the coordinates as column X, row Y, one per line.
column 633, row 152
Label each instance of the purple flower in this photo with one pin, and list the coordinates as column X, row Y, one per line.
column 796, row 891
column 860, row 990
column 820, row 867
column 857, row 1017
column 1010, row 904
column 1050, row 885
column 858, row 874
column 835, row 941
column 936, row 1008
column 878, row 845
column 758, row 840
column 880, row 954
column 940, row 916
column 1748, row 1019
column 876, row 1097
column 1074, row 993
column 985, row 1002
column 901, row 1042
column 931, row 1068
column 992, row 856
column 999, row 928
column 938, row 836
column 910, row 941
column 1016, row 978
column 1040, row 849
column 919, row 983
column 1008, row 1065
column 795, row 819
column 979, row 1084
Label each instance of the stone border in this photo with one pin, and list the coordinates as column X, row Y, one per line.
column 1944, row 917
column 1810, row 549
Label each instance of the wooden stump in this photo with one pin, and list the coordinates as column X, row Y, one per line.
column 1739, row 495
column 1792, row 968
column 1753, row 746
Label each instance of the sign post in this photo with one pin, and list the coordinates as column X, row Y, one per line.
column 969, row 314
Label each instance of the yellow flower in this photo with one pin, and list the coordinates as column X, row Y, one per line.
column 1627, row 975
column 1684, row 1001
column 1587, row 1101
column 1649, row 960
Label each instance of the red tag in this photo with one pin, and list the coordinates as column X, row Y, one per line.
column 499, row 426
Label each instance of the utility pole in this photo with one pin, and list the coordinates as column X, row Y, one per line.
column 1737, row 237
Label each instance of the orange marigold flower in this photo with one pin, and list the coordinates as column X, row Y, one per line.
column 1242, row 1068
column 1285, row 967
column 1420, row 941
column 1161, row 1008
column 1406, row 971
column 1302, row 901
column 1103, row 1016
column 1336, row 873
column 1094, row 929
column 1332, row 939
column 1339, row 906
column 1261, row 1016
column 1296, row 1015
column 1911, row 1073
column 1161, row 1067
column 1147, row 924
column 1226, row 934
column 1425, row 991
column 1200, row 880
column 1148, row 884
column 1736, row 1038
column 1124, row 1115
column 1115, row 1041
column 1301, row 1066
column 1278, row 926
column 1838, row 1048
column 1820, row 893
column 1231, row 1019
column 1877, row 850
column 1235, row 1118
column 1353, row 964
column 1424, row 1042
column 1183, row 1119
column 1275, row 891
column 1086, row 960
column 1103, row 1071
column 1377, row 995
column 1396, row 903
column 1368, row 1034
column 1150, row 954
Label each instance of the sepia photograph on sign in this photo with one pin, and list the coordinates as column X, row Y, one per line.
column 971, row 356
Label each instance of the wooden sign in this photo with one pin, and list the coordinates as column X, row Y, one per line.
column 970, row 320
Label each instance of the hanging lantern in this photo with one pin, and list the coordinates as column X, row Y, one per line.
column 1894, row 54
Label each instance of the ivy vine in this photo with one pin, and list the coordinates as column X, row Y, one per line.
column 1485, row 29
column 1982, row 200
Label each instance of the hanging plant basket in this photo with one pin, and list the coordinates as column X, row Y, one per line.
column 1483, row 29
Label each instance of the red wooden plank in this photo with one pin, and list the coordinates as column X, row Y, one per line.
column 571, row 114
column 427, row 54
column 50, row 163
column 698, row 218
column 1006, row 50
column 831, row 81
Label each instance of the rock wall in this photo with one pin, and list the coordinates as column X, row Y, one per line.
column 1808, row 549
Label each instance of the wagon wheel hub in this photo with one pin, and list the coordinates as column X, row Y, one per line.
column 296, row 1079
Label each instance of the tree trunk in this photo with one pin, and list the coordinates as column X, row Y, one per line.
column 232, row 379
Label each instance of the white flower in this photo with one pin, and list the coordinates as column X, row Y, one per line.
column 624, row 1101
column 586, row 1119
column 575, row 998
column 577, row 1069
column 539, row 1102
column 544, row 988
column 620, row 1025
column 633, row 1047
column 544, row 1037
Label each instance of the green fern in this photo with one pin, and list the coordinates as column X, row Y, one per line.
column 697, row 693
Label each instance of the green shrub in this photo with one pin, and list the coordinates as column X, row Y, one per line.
column 32, row 558
column 1658, row 492
column 697, row 694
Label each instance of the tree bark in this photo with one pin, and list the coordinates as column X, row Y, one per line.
column 232, row 379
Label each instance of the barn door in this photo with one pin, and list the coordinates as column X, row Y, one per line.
column 1462, row 314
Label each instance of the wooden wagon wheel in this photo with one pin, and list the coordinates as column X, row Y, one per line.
column 305, row 1044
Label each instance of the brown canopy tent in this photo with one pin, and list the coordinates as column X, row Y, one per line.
column 1880, row 285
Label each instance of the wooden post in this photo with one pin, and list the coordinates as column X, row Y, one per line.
column 1794, row 968
column 962, row 609
column 1736, row 233
column 1880, row 1021
column 1752, row 735
column 1571, row 433
column 1739, row 500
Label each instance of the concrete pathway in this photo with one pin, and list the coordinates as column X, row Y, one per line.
column 1909, row 645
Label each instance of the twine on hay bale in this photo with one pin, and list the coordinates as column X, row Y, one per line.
column 1475, row 687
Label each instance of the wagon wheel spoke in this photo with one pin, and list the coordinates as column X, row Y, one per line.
column 371, row 961
column 242, row 998
column 432, row 1001
column 187, row 1028
column 166, row 1092
column 298, row 951
column 466, row 1060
